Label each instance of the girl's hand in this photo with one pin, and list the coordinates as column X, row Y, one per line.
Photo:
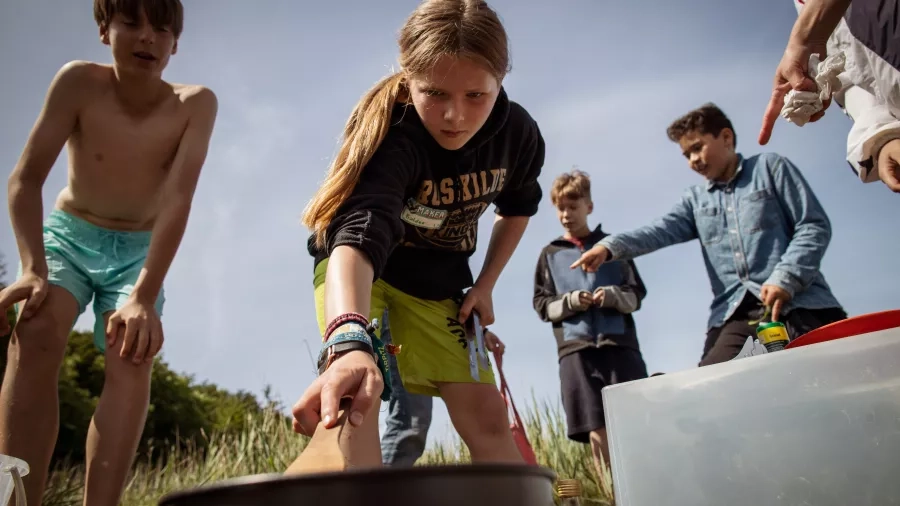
column 353, row 374
column 477, row 299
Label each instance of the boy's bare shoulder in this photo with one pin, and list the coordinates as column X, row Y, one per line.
column 83, row 73
column 199, row 100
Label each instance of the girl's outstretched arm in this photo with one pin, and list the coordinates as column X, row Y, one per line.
column 348, row 289
column 348, row 283
column 359, row 240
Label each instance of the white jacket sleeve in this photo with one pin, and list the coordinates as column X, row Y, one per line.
column 873, row 126
column 869, row 102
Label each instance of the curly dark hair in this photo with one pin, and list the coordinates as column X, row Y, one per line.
column 706, row 119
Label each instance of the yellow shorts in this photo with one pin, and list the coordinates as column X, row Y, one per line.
column 433, row 344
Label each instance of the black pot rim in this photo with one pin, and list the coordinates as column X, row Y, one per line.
column 248, row 483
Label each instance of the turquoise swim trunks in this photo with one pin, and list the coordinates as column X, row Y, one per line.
column 97, row 263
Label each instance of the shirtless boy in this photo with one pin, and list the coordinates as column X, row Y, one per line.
column 136, row 145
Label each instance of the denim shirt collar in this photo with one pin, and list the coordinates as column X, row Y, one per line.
column 711, row 185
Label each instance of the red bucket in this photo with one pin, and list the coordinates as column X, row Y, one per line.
column 862, row 324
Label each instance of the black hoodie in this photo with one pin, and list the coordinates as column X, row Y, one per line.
column 415, row 210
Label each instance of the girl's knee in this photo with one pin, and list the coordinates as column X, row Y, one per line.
column 481, row 414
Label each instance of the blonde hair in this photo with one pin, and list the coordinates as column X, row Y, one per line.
column 460, row 28
column 572, row 185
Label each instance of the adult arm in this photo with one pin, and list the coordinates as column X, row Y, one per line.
column 815, row 23
column 817, row 20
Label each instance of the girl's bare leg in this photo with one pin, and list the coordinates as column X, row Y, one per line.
column 480, row 417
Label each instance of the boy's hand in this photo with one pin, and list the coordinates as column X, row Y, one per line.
column 774, row 297
column 889, row 165
column 478, row 299
column 592, row 259
column 31, row 288
column 142, row 336
column 492, row 342
column 599, row 295
column 580, row 300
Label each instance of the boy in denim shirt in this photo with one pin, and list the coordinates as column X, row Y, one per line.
column 761, row 228
column 591, row 315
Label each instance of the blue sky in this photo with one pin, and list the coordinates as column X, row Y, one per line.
column 603, row 85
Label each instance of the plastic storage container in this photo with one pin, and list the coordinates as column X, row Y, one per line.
column 815, row 425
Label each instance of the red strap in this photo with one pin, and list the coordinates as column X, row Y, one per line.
column 504, row 389
column 517, row 427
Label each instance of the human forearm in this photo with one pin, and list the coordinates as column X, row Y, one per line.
column 673, row 228
column 25, row 211
column 563, row 308
column 622, row 300
column 56, row 122
column 817, row 20
column 801, row 260
column 505, row 238
column 800, row 263
column 348, row 283
column 168, row 231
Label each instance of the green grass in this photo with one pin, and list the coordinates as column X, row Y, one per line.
column 269, row 446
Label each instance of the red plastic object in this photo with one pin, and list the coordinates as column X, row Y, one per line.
column 516, row 425
column 862, row 324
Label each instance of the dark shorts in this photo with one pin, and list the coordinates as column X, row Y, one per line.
column 725, row 342
column 582, row 376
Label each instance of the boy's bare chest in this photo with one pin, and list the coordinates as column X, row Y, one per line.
column 109, row 139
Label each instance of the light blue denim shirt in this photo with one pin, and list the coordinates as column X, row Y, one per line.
column 765, row 226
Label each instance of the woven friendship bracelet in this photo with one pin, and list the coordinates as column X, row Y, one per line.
column 354, row 333
column 344, row 318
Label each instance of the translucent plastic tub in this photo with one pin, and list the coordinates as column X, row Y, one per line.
column 818, row 425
